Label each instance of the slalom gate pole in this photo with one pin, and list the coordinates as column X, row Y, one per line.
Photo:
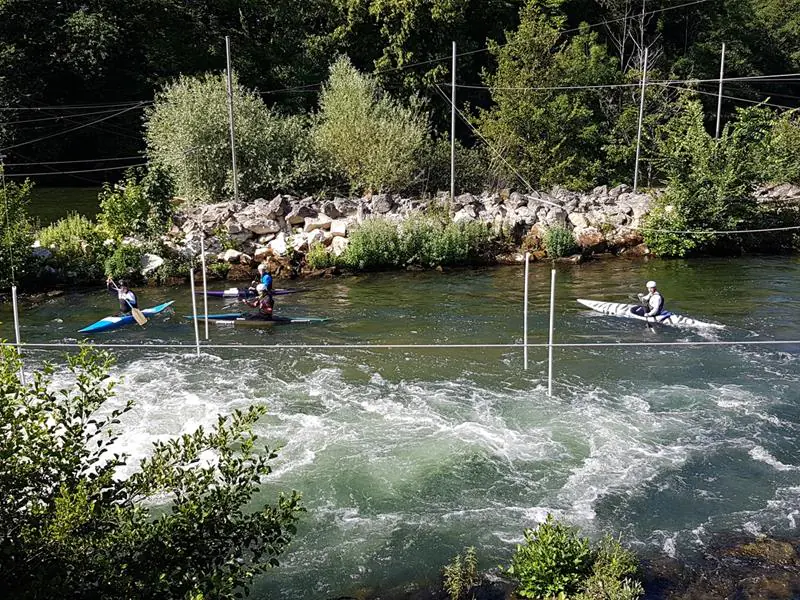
column 194, row 312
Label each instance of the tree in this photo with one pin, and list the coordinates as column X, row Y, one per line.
column 178, row 527
column 187, row 133
column 546, row 132
column 16, row 231
column 363, row 133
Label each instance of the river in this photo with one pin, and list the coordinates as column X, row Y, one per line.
column 406, row 456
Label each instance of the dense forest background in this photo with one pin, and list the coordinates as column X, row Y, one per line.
column 76, row 77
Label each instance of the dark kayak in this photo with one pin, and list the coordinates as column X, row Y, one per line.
column 248, row 320
column 114, row 322
column 245, row 292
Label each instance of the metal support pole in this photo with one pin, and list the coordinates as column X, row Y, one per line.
column 194, row 312
column 453, row 128
column 230, row 120
column 719, row 93
column 205, row 288
column 525, row 316
column 16, row 331
column 639, row 131
column 550, row 342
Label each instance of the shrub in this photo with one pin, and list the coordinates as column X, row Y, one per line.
column 125, row 261
column 181, row 526
column 612, row 572
column 365, row 134
column 318, row 257
column 77, row 246
column 139, row 206
column 187, row 133
column 473, row 169
column 374, row 244
column 558, row 241
column 458, row 244
column 16, row 233
column 461, row 574
column 553, row 561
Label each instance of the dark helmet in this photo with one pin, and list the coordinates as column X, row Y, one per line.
column 123, row 283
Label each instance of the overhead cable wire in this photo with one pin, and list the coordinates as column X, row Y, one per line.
column 77, row 106
column 64, row 162
column 60, row 133
column 727, row 97
column 76, row 171
column 60, row 117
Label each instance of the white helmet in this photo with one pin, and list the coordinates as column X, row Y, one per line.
column 262, row 267
column 260, row 288
column 650, row 284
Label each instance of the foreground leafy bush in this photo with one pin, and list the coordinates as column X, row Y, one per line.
column 373, row 244
column 461, row 574
column 555, row 562
column 16, row 233
column 558, row 241
column 125, row 261
column 183, row 525
column 77, row 246
column 318, row 257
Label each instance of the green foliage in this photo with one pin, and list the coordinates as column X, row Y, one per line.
column 187, row 133
column 139, row 206
column 181, row 526
column 558, row 241
column 125, row 261
column 473, row 168
column 461, row 575
column 77, row 246
column 782, row 162
column 427, row 240
column 612, row 576
column 318, row 257
column 16, row 232
column 554, row 560
column 548, row 136
column 373, row 244
column 363, row 133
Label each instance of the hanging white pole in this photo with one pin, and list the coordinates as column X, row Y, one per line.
column 550, row 342
column 525, row 316
column 641, row 116
column 16, row 331
column 194, row 311
column 230, row 120
column 205, row 288
column 719, row 93
column 453, row 128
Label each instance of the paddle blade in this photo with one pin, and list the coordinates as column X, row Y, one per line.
column 138, row 316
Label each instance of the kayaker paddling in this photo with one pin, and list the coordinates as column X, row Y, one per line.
column 264, row 303
column 126, row 296
column 652, row 301
column 263, row 278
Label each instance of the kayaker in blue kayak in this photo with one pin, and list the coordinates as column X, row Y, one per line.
column 127, row 299
column 652, row 301
column 264, row 303
column 263, row 277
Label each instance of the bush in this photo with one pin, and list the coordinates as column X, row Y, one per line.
column 373, row 244
column 125, row 261
column 553, row 561
column 461, row 574
column 16, row 233
column 140, row 206
column 187, row 132
column 612, row 572
column 318, row 257
column 366, row 135
column 558, row 241
column 473, row 169
column 185, row 524
column 77, row 246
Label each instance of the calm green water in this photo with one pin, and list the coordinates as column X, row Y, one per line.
column 406, row 456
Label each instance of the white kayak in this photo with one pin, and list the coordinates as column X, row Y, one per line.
column 631, row 311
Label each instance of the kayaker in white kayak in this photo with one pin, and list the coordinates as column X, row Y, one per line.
column 652, row 301
column 264, row 303
column 127, row 299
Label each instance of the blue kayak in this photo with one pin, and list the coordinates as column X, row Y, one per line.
column 245, row 292
column 242, row 320
column 113, row 322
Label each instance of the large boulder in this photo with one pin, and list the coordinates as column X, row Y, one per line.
column 382, row 204
column 339, row 227
column 339, row 245
column 261, row 225
column 230, row 256
column 590, row 239
column 149, row 263
column 321, row 221
column 278, row 245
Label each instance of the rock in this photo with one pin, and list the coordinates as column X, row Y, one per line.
column 245, row 259
column 149, row 263
column 41, row 253
column 232, row 226
column 345, row 206
column 266, row 239
column 339, row 245
column 261, row 253
column 575, row 259
column 339, row 227
column 466, row 214
column 317, row 236
column 321, row 221
column 278, row 245
column 510, row 258
column 590, row 238
column 230, row 256
column 624, row 237
column 241, row 273
column 640, row 250
column 381, row 204
column 260, row 226
column 298, row 214
column 515, row 200
column 578, row 220
column 277, row 207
